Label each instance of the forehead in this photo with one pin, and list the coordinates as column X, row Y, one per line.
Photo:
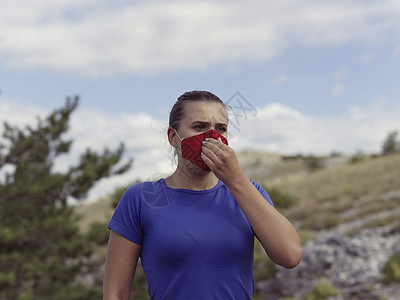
column 205, row 111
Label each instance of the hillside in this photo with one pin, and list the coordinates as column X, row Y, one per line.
column 351, row 215
column 348, row 216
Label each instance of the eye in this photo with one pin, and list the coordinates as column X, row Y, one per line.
column 221, row 129
column 200, row 127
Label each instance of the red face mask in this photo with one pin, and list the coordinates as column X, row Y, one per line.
column 191, row 147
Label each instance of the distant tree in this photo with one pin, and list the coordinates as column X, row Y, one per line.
column 313, row 163
column 42, row 253
column 118, row 192
column 391, row 144
column 358, row 157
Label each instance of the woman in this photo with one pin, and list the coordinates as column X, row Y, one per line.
column 194, row 230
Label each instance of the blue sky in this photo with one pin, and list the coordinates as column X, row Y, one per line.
column 322, row 75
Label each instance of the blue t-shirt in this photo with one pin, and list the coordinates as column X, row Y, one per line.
column 195, row 244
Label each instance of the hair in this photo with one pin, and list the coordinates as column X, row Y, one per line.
column 176, row 113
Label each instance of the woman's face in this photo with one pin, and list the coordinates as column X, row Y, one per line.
column 202, row 116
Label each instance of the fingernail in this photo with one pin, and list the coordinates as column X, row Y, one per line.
column 207, row 139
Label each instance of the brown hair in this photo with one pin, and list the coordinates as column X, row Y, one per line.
column 176, row 113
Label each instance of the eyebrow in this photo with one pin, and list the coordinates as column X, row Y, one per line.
column 207, row 123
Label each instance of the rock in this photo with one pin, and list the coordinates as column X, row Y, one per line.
column 352, row 263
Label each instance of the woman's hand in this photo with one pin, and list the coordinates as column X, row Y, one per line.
column 222, row 160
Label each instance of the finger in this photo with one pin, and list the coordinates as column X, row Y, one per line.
column 218, row 142
column 210, row 153
column 207, row 160
column 211, row 147
column 216, row 146
column 210, row 162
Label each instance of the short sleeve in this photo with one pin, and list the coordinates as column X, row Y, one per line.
column 126, row 219
column 262, row 191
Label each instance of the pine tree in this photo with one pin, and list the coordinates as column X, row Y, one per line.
column 43, row 255
column 390, row 144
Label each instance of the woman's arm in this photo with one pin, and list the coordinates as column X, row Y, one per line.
column 277, row 235
column 121, row 260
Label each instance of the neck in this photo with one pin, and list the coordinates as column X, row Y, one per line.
column 192, row 179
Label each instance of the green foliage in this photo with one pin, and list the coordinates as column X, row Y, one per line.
column 391, row 144
column 391, row 270
column 43, row 255
column 282, row 199
column 263, row 267
column 140, row 289
column 116, row 196
column 98, row 233
column 323, row 290
column 118, row 192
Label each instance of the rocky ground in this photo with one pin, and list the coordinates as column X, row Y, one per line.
column 351, row 262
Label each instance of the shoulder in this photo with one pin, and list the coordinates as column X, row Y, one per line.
column 149, row 192
column 141, row 188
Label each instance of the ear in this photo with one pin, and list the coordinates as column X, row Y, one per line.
column 172, row 137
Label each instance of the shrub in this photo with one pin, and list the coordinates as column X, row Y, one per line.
column 391, row 145
column 98, row 233
column 313, row 163
column 282, row 199
column 323, row 290
column 358, row 157
column 391, row 270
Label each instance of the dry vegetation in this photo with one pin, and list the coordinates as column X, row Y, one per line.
column 344, row 192
column 99, row 211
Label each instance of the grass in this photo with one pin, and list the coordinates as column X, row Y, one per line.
column 327, row 192
column 375, row 176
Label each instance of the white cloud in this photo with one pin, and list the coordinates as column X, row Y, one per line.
column 275, row 128
column 281, row 129
column 338, row 89
column 105, row 38
column 15, row 112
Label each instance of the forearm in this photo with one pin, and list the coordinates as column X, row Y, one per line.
column 110, row 292
column 276, row 234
